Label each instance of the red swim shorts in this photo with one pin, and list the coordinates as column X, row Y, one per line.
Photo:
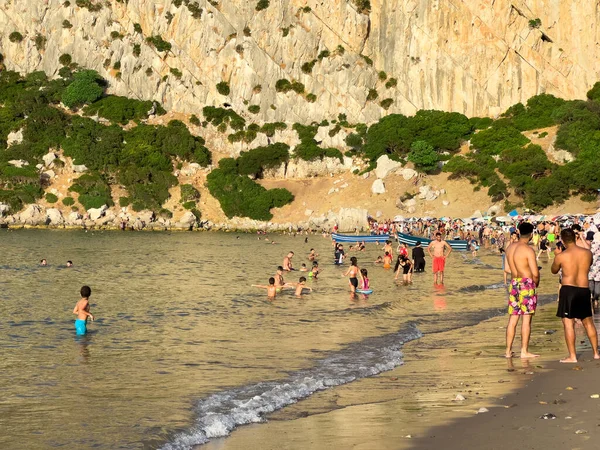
column 439, row 262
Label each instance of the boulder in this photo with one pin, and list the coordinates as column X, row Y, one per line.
column 445, row 203
column 344, row 186
column 146, row 216
column 74, row 216
column 494, row 210
column 55, row 216
column 411, row 209
column 378, row 187
column 49, row 158
column 33, row 215
column 428, row 194
column 408, row 174
column 333, row 190
column 378, row 214
column 352, row 218
column 190, row 170
column 366, row 175
column 385, row 166
column 560, row 156
column 19, row 163
column 308, row 212
column 188, row 219
column 14, row 137
column 49, row 174
column 95, row 213
column 410, row 202
column 80, row 168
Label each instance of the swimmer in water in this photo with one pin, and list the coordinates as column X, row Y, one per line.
column 279, row 281
column 300, row 286
column 315, row 271
column 271, row 288
column 312, row 255
column 379, row 260
column 353, row 273
column 364, row 285
column 69, row 263
column 287, row 262
column 303, row 268
column 404, row 263
column 82, row 309
column 43, row 262
column 387, row 260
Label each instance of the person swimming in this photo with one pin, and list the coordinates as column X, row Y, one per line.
column 303, row 268
column 315, row 271
column 69, row 263
column 301, row 286
column 43, row 262
column 271, row 288
column 312, row 255
column 379, row 260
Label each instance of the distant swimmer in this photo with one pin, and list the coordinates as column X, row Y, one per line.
column 82, row 309
column 387, row 260
column 339, row 254
column 43, row 262
column 287, row 262
column 279, row 281
column 69, row 263
column 574, row 300
column 312, row 255
column 521, row 263
column 437, row 251
column 301, row 286
column 303, row 268
column 353, row 273
column 271, row 288
column 379, row 260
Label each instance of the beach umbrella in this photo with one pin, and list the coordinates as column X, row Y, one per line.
column 398, row 219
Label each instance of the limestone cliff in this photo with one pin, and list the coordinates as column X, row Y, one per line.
column 477, row 57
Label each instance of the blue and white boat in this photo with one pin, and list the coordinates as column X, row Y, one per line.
column 412, row 241
column 360, row 238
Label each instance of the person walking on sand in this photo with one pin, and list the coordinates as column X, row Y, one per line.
column 574, row 301
column 437, row 251
column 82, row 309
column 521, row 263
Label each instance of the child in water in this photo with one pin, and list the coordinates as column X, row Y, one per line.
column 314, row 273
column 82, row 309
column 387, row 260
column 300, row 286
column 379, row 260
column 303, row 268
column 271, row 288
column 364, row 285
column 405, row 263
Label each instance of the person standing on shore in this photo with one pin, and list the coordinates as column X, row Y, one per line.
column 522, row 300
column 574, row 301
column 437, row 251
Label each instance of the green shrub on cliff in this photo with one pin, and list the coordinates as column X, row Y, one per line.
column 93, row 191
column 15, row 37
column 262, row 4
column 158, row 43
column 255, row 161
column 423, row 156
column 242, row 197
column 51, row 198
column 68, row 201
column 537, row 114
column 85, row 88
column 189, row 193
column 122, row 109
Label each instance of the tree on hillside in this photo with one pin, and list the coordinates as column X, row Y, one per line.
column 423, row 156
column 84, row 89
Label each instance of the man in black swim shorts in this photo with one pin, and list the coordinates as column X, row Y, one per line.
column 574, row 301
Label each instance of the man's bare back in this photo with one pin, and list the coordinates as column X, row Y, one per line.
column 521, row 261
column 575, row 263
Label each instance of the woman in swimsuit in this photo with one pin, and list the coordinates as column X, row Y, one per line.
column 403, row 249
column 353, row 273
column 406, row 264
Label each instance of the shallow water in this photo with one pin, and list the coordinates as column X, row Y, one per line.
column 183, row 349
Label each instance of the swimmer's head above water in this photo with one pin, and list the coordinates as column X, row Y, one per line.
column 43, row 262
column 69, row 263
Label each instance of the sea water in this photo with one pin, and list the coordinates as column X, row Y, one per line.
column 183, row 350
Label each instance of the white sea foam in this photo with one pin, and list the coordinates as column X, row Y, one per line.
column 221, row 413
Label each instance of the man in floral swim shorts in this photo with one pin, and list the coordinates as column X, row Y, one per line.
column 522, row 298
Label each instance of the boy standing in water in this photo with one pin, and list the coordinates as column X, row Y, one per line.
column 82, row 309
column 300, row 286
column 271, row 288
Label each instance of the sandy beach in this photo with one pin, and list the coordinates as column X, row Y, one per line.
column 415, row 406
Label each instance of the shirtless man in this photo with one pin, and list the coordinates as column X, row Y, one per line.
column 279, row 281
column 287, row 262
column 437, row 251
column 574, row 301
column 522, row 299
column 82, row 309
column 271, row 288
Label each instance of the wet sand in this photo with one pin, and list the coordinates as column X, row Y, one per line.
column 414, row 405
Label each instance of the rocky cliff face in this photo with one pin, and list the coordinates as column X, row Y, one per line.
column 477, row 57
